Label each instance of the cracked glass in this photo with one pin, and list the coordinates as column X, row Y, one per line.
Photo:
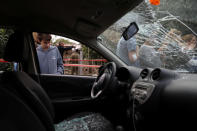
column 166, row 36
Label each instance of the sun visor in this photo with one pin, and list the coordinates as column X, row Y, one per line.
column 87, row 29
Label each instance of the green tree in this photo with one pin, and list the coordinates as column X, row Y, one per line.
column 88, row 53
column 61, row 40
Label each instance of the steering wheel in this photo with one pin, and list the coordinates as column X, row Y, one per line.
column 104, row 80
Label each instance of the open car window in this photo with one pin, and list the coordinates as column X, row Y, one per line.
column 166, row 38
column 66, row 57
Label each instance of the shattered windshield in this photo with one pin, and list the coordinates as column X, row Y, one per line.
column 166, row 36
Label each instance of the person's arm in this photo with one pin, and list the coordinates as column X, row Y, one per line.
column 60, row 65
column 163, row 47
column 132, row 56
column 132, row 50
column 68, row 48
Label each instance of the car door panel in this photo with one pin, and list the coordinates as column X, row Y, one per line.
column 66, row 87
column 69, row 94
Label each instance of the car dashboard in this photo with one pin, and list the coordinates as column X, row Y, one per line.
column 160, row 96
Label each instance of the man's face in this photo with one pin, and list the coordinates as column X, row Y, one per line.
column 45, row 44
column 69, row 52
column 61, row 44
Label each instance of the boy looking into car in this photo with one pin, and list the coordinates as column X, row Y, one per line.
column 49, row 57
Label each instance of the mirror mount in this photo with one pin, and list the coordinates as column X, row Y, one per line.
column 130, row 31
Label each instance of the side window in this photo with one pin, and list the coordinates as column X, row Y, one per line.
column 4, row 36
column 63, row 56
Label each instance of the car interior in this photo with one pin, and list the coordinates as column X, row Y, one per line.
column 128, row 98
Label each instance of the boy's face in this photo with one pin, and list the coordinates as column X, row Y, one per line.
column 45, row 44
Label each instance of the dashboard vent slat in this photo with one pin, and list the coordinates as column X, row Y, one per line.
column 144, row 73
column 155, row 75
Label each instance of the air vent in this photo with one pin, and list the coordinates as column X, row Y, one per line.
column 155, row 75
column 144, row 73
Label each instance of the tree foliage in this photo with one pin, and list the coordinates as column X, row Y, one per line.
column 88, row 53
column 61, row 40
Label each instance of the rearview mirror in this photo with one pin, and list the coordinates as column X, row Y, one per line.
column 130, row 31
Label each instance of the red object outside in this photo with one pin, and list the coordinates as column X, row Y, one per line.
column 155, row 2
column 81, row 65
column 3, row 61
column 104, row 60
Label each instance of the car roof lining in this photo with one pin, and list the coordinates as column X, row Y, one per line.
column 88, row 19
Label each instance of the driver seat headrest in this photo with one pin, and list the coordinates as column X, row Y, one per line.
column 15, row 47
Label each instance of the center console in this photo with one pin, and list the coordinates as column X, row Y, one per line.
column 141, row 91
